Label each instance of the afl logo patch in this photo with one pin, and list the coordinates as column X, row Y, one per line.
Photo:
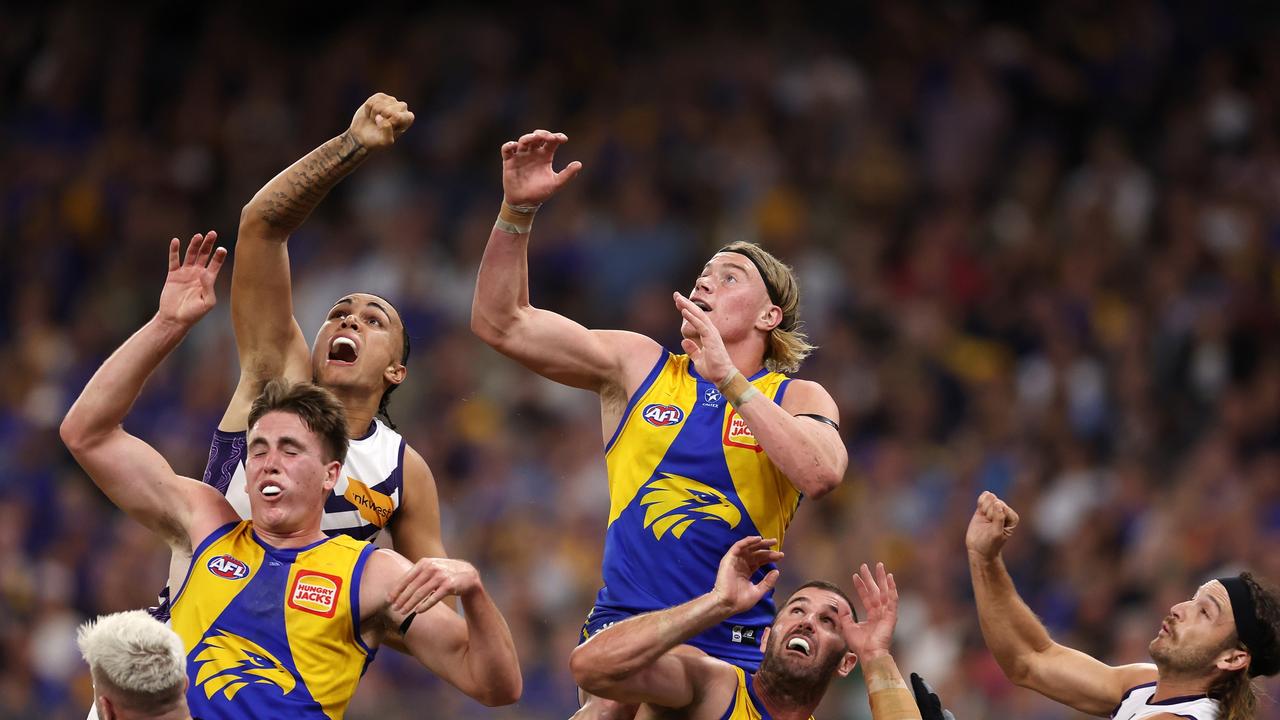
column 225, row 566
column 315, row 592
column 662, row 415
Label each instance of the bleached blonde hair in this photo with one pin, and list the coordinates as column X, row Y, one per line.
column 136, row 661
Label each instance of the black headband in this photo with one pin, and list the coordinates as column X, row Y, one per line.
column 1248, row 629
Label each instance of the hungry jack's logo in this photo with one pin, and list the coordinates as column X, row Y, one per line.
column 737, row 434
column 315, row 593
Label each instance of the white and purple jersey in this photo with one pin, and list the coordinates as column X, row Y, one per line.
column 1137, row 704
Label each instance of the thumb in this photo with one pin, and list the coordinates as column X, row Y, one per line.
column 568, row 173
column 769, row 581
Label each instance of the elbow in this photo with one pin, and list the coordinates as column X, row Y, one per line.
column 493, row 328
column 74, row 434
column 819, row 483
column 588, row 670
column 502, row 692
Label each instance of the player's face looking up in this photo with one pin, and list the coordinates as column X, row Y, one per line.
column 732, row 293
column 805, row 642
column 289, row 472
column 1196, row 632
column 360, row 345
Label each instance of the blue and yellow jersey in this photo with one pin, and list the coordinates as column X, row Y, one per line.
column 687, row 479
column 745, row 705
column 271, row 632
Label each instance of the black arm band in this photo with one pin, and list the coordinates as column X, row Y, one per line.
column 821, row 419
column 408, row 620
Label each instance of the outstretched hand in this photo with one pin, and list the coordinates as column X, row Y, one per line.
column 527, row 174
column 733, row 580
column 380, row 121
column 188, row 289
column 873, row 636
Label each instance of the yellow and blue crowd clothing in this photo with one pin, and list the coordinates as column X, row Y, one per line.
column 688, row 479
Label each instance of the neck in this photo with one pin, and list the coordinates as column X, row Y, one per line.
column 360, row 409
column 747, row 355
column 287, row 540
column 1171, row 685
column 179, row 712
column 785, row 703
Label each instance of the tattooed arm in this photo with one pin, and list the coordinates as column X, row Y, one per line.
column 268, row 338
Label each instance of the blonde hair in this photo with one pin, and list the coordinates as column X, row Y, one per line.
column 136, row 659
column 788, row 344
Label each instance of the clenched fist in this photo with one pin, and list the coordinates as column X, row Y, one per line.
column 379, row 121
column 991, row 526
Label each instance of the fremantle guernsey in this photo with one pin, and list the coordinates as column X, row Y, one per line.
column 687, row 479
column 368, row 493
column 1137, row 704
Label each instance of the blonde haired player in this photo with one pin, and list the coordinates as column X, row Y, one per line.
column 138, row 667
column 702, row 448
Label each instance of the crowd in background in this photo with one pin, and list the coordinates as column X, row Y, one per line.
column 1038, row 245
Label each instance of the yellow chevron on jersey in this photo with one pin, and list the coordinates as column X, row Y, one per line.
column 271, row 632
column 745, row 705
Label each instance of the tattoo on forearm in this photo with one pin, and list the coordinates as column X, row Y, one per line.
column 292, row 195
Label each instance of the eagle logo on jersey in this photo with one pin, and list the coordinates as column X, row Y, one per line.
column 231, row 662
column 673, row 503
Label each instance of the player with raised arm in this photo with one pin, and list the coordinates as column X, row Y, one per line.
column 359, row 354
column 816, row 637
column 1204, row 654
column 702, row 448
column 277, row 618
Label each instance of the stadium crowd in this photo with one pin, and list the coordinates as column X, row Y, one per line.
column 1039, row 248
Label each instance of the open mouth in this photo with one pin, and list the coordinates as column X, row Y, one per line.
column 270, row 491
column 702, row 304
column 799, row 644
column 343, row 350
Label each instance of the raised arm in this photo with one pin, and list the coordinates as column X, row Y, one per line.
column 630, row 662
column 501, row 315
column 871, row 640
column 131, row 473
column 268, row 338
column 475, row 652
column 1016, row 637
column 795, row 435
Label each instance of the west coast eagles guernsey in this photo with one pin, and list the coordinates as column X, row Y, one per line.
column 745, row 705
column 368, row 492
column 271, row 633
column 687, row 479
column 1137, row 704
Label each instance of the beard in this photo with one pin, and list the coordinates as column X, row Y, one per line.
column 1183, row 661
column 798, row 685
